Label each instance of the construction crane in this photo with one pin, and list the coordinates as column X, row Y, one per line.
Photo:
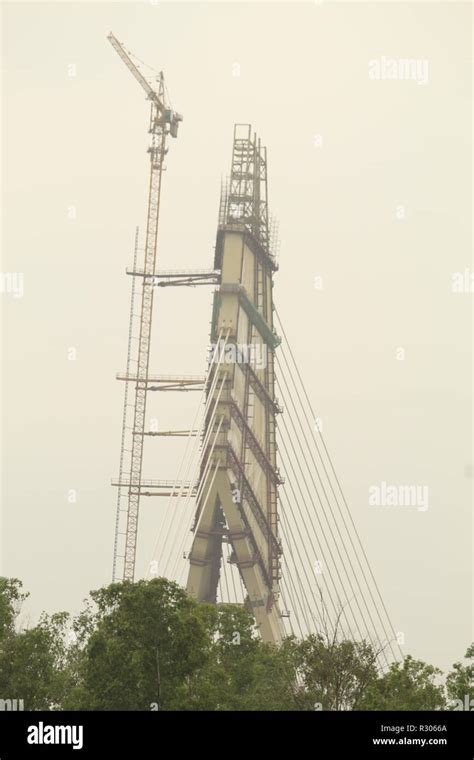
column 163, row 122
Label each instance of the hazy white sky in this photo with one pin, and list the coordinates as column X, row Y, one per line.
column 371, row 182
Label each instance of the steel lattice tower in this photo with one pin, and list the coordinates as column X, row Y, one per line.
column 163, row 121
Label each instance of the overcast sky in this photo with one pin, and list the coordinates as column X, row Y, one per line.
column 370, row 179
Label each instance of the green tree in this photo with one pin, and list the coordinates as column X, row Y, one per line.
column 334, row 674
column 460, row 683
column 147, row 645
column 145, row 640
column 410, row 685
column 242, row 672
column 31, row 660
column 11, row 599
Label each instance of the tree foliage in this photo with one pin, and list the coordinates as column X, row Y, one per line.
column 148, row 645
column 335, row 674
column 460, row 682
column 410, row 685
column 31, row 665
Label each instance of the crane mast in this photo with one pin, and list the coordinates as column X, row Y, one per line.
column 163, row 121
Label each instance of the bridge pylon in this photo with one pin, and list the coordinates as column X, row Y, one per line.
column 239, row 477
